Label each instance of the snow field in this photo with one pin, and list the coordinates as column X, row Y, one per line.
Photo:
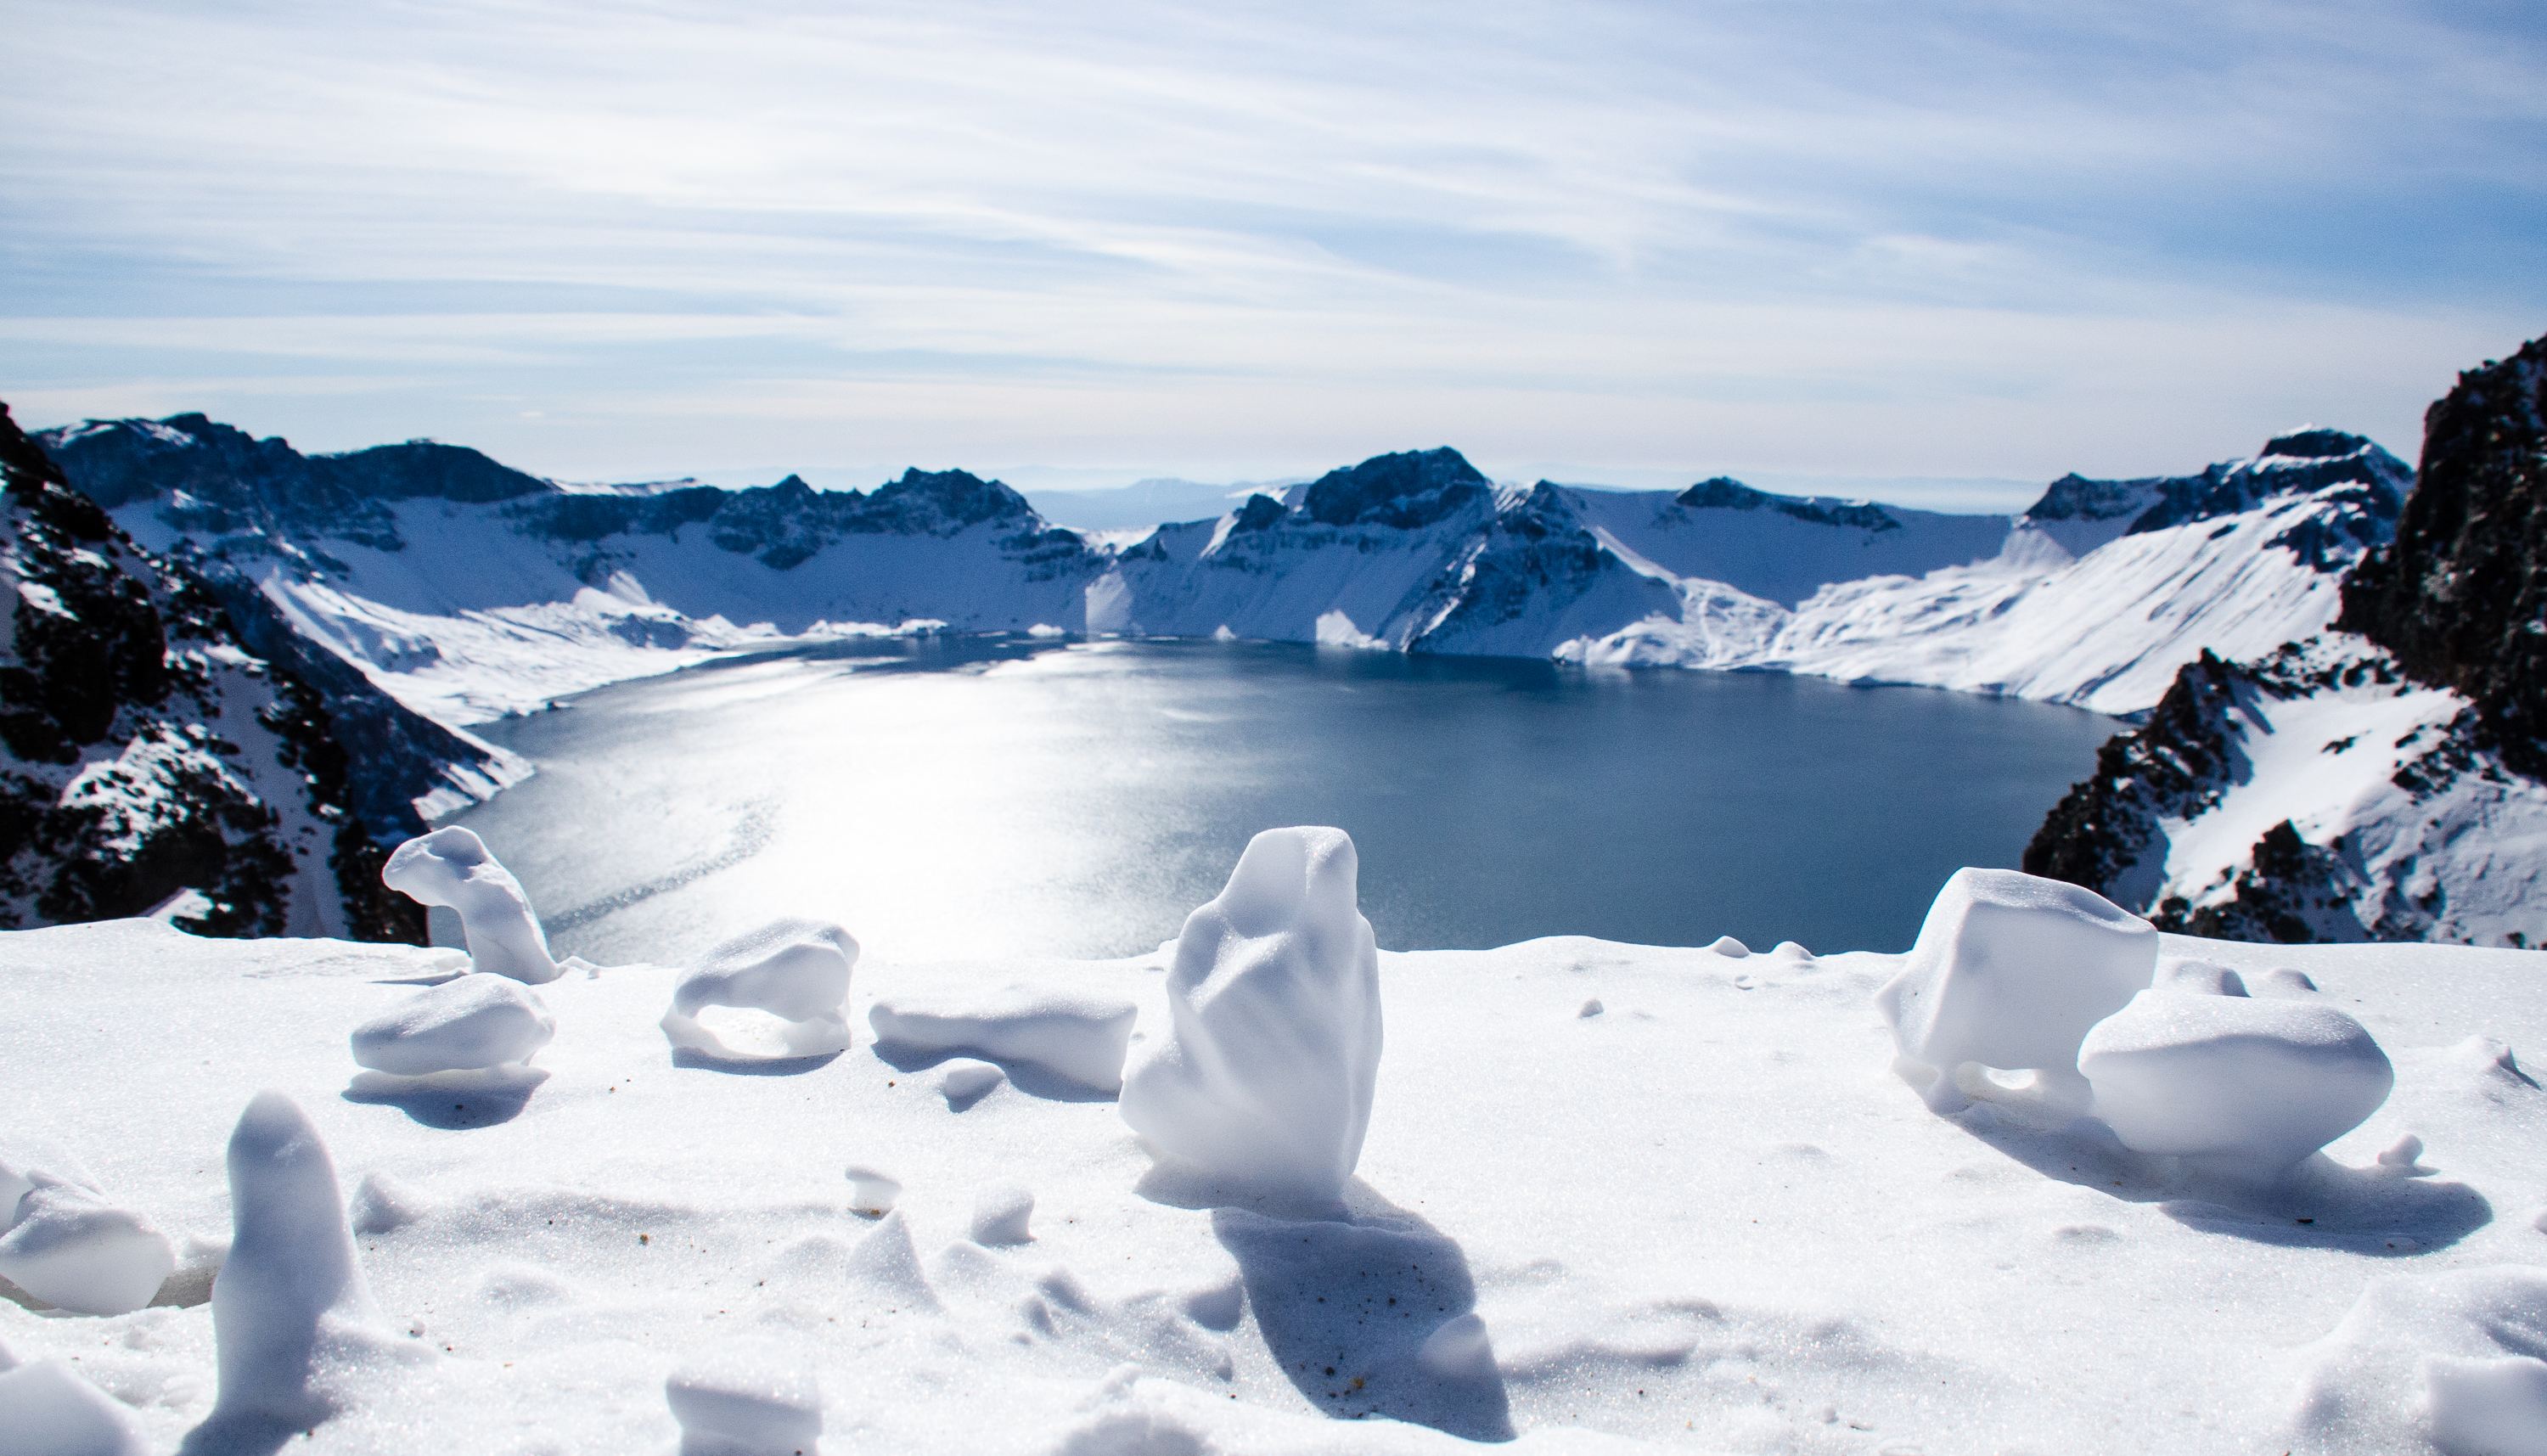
column 1708, row 1218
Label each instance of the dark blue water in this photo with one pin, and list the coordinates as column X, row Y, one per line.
column 959, row 798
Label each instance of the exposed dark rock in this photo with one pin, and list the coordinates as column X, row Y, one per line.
column 2461, row 597
column 1725, row 493
column 1407, row 489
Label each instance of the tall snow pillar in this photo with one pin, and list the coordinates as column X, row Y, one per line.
column 454, row 868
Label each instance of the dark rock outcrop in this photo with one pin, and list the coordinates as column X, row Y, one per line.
column 1725, row 493
column 1406, row 489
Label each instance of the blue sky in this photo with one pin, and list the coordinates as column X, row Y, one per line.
column 1926, row 247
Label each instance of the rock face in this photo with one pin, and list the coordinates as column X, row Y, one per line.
column 147, row 749
column 2460, row 600
column 2380, row 781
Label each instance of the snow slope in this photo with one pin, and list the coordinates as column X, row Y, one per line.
column 470, row 591
column 1610, row 1198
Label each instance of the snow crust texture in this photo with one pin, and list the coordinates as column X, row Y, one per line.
column 2453, row 1362
column 797, row 970
column 1265, row 1077
column 65, row 1242
column 2246, row 1085
column 452, row 867
column 2009, row 971
column 47, row 1410
column 467, row 1024
column 734, row 1404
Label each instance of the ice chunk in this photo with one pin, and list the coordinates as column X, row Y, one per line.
column 1001, row 1214
column 2200, row 977
column 452, row 867
column 2249, row 1085
column 1078, row 1036
column 2488, row 1407
column 291, row 1313
column 47, row 1411
column 63, row 1241
column 462, row 1025
column 1263, row 1078
column 730, row 1404
column 797, row 970
column 2009, row 971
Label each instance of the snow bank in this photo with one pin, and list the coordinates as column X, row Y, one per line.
column 2248, row 1087
column 452, row 867
column 2009, row 971
column 465, row 1024
column 1076, row 1035
column 292, row 1316
column 2453, row 1362
column 797, row 970
column 1265, row 1077
column 63, row 1241
column 730, row 1405
column 47, row 1411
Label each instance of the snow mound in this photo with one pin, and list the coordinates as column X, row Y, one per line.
column 2453, row 1362
column 730, row 1406
column 63, row 1241
column 797, row 970
column 873, row 1192
column 2009, row 971
column 47, row 1411
column 2252, row 1086
column 1264, row 1078
column 2200, row 977
column 1002, row 1212
column 1077, row 1036
column 465, row 1024
column 452, row 867
column 965, row 1080
column 292, row 1316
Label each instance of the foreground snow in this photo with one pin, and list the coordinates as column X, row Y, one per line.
column 1665, row 1195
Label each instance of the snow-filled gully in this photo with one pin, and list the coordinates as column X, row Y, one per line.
column 1594, row 1197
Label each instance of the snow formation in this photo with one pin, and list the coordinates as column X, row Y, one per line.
column 2243, row 1085
column 66, row 1243
column 1703, row 1220
column 452, row 867
column 293, row 1321
column 1069, row 1031
column 797, row 970
column 2009, row 971
column 1262, row 1079
column 470, row 1023
column 47, row 1410
column 734, row 1404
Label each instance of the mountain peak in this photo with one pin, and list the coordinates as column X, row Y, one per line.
column 2316, row 442
column 1406, row 488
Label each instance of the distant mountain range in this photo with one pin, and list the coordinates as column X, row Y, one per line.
column 465, row 590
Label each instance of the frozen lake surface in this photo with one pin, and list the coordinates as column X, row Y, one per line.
column 971, row 798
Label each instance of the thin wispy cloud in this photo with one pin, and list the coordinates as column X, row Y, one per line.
column 1642, row 240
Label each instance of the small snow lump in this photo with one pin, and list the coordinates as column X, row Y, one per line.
column 2251, row 1086
column 1264, row 1077
column 63, row 1241
column 465, row 1024
column 452, row 867
column 797, row 970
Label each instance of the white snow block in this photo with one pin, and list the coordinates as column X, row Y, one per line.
column 45, row 1410
column 731, row 1405
column 2248, row 1086
column 1002, row 1213
column 1265, row 1077
column 63, row 1241
column 452, row 867
column 2009, row 971
column 1078, row 1036
column 466, row 1024
column 291, row 1314
column 797, row 970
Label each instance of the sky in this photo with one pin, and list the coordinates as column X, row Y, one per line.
column 1943, row 251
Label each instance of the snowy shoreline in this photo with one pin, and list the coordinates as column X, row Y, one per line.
column 1706, row 1215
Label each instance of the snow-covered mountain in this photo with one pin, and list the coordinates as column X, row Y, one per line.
column 2378, row 782
column 167, row 745
column 471, row 591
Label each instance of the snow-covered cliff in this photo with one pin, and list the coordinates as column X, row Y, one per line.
column 2376, row 783
column 164, row 746
column 469, row 590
